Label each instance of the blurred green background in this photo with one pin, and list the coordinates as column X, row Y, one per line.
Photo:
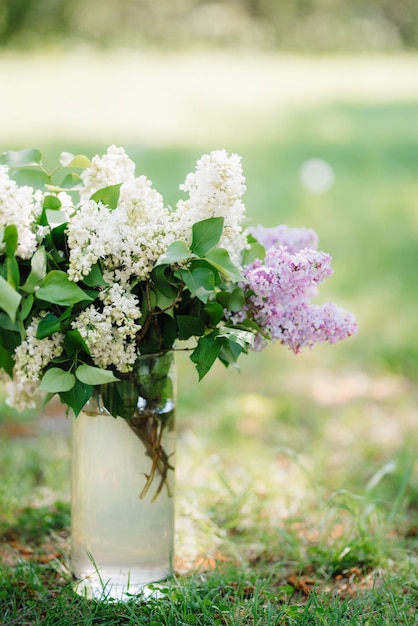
column 322, row 25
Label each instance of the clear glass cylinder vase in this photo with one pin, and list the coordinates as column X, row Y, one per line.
column 122, row 510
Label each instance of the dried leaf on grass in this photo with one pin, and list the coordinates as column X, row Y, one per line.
column 301, row 583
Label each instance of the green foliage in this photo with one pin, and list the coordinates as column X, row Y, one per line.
column 21, row 158
column 108, row 196
column 56, row 380
column 206, row 234
column 56, row 288
column 9, row 299
column 90, row 375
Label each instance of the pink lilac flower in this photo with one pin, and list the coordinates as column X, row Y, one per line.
column 305, row 324
column 278, row 294
column 295, row 239
column 283, row 277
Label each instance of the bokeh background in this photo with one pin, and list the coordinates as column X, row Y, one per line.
column 302, row 25
column 320, row 98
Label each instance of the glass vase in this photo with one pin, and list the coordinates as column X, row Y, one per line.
column 122, row 511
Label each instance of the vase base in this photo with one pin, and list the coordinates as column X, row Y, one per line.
column 93, row 589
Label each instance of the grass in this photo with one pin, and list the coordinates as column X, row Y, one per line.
column 297, row 487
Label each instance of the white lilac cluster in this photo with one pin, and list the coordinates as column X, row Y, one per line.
column 110, row 333
column 128, row 239
column 215, row 190
column 279, row 293
column 21, row 206
column 112, row 168
column 31, row 356
column 89, row 238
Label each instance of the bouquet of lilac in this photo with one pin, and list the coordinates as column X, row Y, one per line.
column 95, row 271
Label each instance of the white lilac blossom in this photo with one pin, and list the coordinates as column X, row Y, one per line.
column 31, row 356
column 20, row 206
column 112, row 168
column 145, row 228
column 127, row 240
column 110, row 332
column 215, row 189
column 278, row 294
column 91, row 234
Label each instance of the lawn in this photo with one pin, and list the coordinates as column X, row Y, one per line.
column 297, row 487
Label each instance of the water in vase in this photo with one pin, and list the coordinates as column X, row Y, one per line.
column 119, row 541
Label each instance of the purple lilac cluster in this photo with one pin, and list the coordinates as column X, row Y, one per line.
column 294, row 239
column 280, row 288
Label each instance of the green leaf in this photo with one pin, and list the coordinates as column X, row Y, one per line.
column 176, row 252
column 95, row 277
column 17, row 158
column 243, row 338
column 232, row 300
column 77, row 397
column 71, row 181
column 166, row 294
column 165, row 282
column 31, row 177
column 67, row 159
column 26, row 307
column 206, row 234
column 58, row 289
column 56, row 217
column 237, row 300
column 55, row 380
column 253, row 252
column 253, row 326
column 214, row 312
column 9, row 341
column 6, row 361
column 205, row 354
column 90, row 375
column 38, row 270
column 168, row 330
column 9, row 299
column 189, row 326
column 74, row 342
column 57, row 238
column 52, row 203
column 230, row 352
column 220, row 258
column 108, row 196
column 200, row 281
column 10, row 238
column 13, row 274
column 7, row 324
column 47, row 326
